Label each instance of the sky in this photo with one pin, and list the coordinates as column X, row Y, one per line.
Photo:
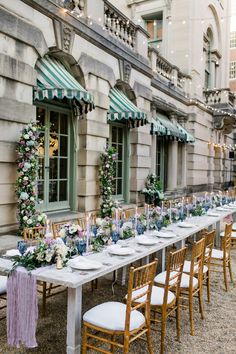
column 233, row 14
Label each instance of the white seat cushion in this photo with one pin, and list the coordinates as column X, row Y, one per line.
column 111, row 316
column 185, row 280
column 157, row 297
column 161, row 278
column 233, row 235
column 3, row 284
column 205, row 269
column 218, row 254
column 234, row 226
column 187, row 265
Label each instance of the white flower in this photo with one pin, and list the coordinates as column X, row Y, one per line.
column 32, row 199
column 26, row 136
column 98, row 222
column 24, row 195
column 25, row 178
column 25, row 218
column 72, row 229
column 107, row 165
column 34, row 129
column 40, row 218
column 27, row 166
column 29, row 221
column 62, row 233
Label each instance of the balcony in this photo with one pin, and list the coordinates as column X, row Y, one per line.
column 169, row 74
column 222, row 102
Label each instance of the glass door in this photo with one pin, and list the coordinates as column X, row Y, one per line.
column 54, row 159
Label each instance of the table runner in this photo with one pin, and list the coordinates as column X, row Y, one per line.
column 22, row 308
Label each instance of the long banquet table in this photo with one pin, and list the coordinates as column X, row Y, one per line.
column 75, row 279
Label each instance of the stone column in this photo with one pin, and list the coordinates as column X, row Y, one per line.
column 93, row 132
column 172, row 165
column 184, row 166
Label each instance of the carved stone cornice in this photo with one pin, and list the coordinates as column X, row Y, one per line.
column 64, row 36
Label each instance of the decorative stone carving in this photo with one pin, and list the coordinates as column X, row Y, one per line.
column 64, row 36
column 224, row 123
column 126, row 71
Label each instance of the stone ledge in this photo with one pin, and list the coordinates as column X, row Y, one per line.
column 23, row 31
column 17, row 70
column 15, row 111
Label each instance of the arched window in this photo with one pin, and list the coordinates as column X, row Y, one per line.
column 208, row 45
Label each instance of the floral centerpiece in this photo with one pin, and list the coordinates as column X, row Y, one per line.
column 106, row 179
column 46, row 252
column 71, row 234
column 27, row 167
column 104, row 228
column 153, row 190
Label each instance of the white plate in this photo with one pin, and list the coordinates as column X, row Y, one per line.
column 230, row 206
column 222, row 209
column 120, row 251
column 15, row 252
column 213, row 214
column 164, row 234
column 145, row 240
column 185, row 225
column 83, row 263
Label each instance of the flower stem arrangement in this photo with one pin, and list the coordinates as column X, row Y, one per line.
column 27, row 168
column 106, row 178
column 153, row 190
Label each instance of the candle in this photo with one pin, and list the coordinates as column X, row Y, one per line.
column 136, row 219
column 220, row 195
column 148, row 217
column 87, row 232
column 205, row 197
column 227, row 196
column 162, row 208
column 145, row 209
column 170, row 215
column 194, row 200
column 117, row 219
column 182, row 207
column 47, row 226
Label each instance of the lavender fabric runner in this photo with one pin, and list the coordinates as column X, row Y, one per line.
column 22, row 308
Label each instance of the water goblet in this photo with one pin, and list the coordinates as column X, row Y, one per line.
column 115, row 236
column 22, row 247
column 81, row 247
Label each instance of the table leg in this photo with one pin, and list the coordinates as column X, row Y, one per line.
column 121, row 276
column 163, row 259
column 74, row 320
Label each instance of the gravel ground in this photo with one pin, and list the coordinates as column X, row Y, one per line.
column 215, row 334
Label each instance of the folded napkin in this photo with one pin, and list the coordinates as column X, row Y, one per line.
column 22, row 308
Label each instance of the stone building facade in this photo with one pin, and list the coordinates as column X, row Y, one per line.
column 166, row 59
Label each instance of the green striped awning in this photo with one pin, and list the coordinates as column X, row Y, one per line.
column 189, row 137
column 122, row 108
column 171, row 128
column 157, row 128
column 55, row 81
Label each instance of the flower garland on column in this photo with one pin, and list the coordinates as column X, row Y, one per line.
column 107, row 172
column 26, row 183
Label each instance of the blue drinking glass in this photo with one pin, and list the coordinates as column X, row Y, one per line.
column 159, row 225
column 115, row 236
column 140, row 229
column 81, row 247
column 22, row 247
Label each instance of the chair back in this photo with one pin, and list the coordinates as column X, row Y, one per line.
column 57, row 226
column 141, row 282
column 209, row 243
column 82, row 223
column 174, row 273
column 129, row 213
column 34, row 233
column 93, row 216
column 197, row 259
column 141, row 210
column 226, row 240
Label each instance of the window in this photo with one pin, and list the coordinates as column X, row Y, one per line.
column 118, row 139
column 233, row 39
column 210, row 78
column 232, row 70
column 154, row 27
column 161, row 162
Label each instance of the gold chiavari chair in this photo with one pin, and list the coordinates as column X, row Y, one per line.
column 165, row 296
column 233, row 234
column 209, row 238
column 141, row 210
column 82, row 223
column 3, row 295
column 222, row 258
column 191, row 284
column 93, row 216
column 129, row 213
column 57, row 226
column 31, row 235
column 115, row 319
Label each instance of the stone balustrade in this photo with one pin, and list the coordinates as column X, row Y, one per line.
column 119, row 25
column 219, row 96
column 169, row 72
column 76, row 6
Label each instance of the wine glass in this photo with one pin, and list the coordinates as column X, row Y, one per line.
column 115, row 236
column 81, row 247
column 22, row 247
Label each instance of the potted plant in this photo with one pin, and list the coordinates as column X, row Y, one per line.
column 153, row 190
